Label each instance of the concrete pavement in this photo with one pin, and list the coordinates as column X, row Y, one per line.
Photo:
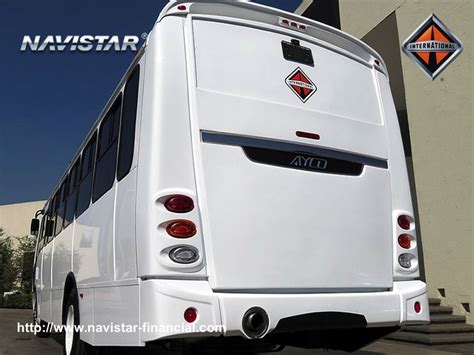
column 14, row 343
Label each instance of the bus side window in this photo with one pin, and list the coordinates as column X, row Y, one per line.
column 57, row 218
column 71, row 199
column 85, row 184
column 52, row 219
column 106, row 163
column 129, row 118
column 60, row 213
column 41, row 234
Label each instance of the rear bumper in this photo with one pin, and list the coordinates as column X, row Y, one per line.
column 163, row 303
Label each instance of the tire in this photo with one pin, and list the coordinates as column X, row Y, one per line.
column 72, row 344
column 42, row 333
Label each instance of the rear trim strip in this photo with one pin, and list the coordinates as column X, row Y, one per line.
column 246, row 141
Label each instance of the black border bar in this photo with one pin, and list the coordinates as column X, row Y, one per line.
column 265, row 143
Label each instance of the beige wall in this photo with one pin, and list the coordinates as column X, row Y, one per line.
column 15, row 219
column 440, row 115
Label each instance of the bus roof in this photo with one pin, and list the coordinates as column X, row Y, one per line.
column 246, row 10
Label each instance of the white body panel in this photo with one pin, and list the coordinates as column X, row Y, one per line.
column 283, row 221
column 287, row 240
column 379, row 308
column 318, row 252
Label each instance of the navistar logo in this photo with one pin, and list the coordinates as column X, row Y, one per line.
column 81, row 43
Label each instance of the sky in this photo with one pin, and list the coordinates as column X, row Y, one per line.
column 48, row 101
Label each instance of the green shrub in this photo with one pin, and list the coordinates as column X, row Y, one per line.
column 17, row 300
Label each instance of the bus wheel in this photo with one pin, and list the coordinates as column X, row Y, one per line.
column 43, row 333
column 73, row 345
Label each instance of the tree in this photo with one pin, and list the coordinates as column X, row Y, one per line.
column 8, row 266
column 24, row 255
column 16, row 264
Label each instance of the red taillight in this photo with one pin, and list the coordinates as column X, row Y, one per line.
column 179, row 204
column 417, row 307
column 405, row 241
column 190, row 315
column 181, row 228
column 404, row 222
column 181, row 8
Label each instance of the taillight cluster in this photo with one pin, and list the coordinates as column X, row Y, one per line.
column 406, row 241
column 181, row 229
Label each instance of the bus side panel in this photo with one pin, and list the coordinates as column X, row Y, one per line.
column 125, row 263
column 117, row 305
column 61, row 267
column 93, row 242
column 86, row 315
column 46, row 283
column 57, row 305
column 401, row 197
column 400, row 185
column 125, row 247
column 165, row 159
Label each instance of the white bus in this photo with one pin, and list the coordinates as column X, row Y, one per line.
column 244, row 187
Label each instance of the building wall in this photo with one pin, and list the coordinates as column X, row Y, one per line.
column 440, row 115
column 15, row 219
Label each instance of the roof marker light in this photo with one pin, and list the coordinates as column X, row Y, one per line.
column 182, row 8
column 292, row 24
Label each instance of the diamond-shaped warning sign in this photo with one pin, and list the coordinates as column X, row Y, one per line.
column 301, row 84
column 432, row 46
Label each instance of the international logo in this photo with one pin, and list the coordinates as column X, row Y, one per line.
column 301, row 84
column 432, row 46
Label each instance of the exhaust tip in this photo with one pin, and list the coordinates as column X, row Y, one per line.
column 255, row 322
